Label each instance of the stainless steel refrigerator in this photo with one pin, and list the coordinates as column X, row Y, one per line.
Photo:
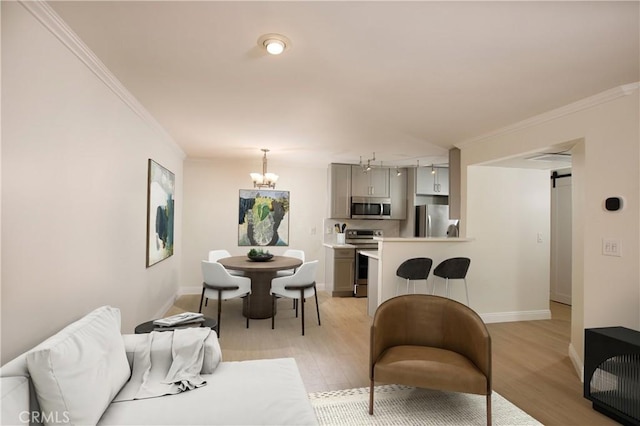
column 432, row 220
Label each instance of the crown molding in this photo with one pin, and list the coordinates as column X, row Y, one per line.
column 590, row 102
column 54, row 23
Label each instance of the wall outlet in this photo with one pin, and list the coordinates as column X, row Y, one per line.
column 611, row 247
column 539, row 237
column 328, row 230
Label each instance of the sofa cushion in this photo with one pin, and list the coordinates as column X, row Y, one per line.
column 257, row 392
column 78, row 371
column 15, row 400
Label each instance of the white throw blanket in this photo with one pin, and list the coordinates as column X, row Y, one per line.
column 154, row 373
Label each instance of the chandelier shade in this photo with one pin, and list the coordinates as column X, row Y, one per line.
column 264, row 179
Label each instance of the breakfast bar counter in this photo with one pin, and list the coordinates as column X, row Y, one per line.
column 392, row 251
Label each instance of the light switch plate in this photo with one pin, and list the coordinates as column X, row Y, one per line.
column 611, row 247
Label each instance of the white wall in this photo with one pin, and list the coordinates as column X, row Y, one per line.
column 211, row 211
column 606, row 290
column 74, row 188
column 506, row 210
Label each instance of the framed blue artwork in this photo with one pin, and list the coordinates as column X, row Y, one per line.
column 160, row 213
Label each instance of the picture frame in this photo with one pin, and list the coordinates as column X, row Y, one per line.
column 160, row 213
column 263, row 218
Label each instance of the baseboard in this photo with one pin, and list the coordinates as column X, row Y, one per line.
column 543, row 314
column 189, row 290
column 576, row 361
column 165, row 308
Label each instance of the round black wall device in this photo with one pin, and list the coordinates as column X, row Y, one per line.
column 613, row 204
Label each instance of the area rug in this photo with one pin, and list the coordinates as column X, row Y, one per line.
column 403, row 405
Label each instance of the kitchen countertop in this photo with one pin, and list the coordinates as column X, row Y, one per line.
column 339, row 246
column 374, row 254
column 422, row 240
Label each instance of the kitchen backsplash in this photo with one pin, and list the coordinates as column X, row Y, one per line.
column 390, row 228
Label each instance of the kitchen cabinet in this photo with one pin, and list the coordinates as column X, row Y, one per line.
column 347, row 180
column 398, row 193
column 339, row 271
column 428, row 183
column 339, row 190
column 373, row 183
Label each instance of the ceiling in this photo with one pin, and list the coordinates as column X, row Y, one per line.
column 403, row 80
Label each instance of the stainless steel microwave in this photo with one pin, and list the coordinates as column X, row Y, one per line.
column 370, row 208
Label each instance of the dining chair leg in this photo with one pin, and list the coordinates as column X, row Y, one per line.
column 248, row 308
column 302, row 309
column 219, row 311
column 201, row 299
column 489, row 410
column 273, row 311
column 371, row 398
column 317, row 306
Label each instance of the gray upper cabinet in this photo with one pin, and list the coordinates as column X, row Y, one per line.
column 374, row 183
column 428, row 183
column 398, row 193
column 339, row 190
column 347, row 180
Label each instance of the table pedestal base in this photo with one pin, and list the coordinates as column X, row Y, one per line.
column 261, row 274
column 260, row 297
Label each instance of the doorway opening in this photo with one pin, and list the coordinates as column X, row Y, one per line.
column 561, row 236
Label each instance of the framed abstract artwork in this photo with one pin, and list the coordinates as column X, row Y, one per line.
column 263, row 218
column 160, row 213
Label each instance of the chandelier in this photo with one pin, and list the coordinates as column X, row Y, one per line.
column 264, row 179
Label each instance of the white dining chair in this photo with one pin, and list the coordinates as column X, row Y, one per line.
column 299, row 286
column 219, row 284
column 298, row 254
column 215, row 255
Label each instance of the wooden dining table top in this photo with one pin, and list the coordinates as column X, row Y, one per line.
column 243, row 263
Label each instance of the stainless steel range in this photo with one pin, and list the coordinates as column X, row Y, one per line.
column 363, row 240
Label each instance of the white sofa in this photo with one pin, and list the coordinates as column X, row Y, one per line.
column 74, row 376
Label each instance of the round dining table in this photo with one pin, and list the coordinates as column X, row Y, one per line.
column 261, row 274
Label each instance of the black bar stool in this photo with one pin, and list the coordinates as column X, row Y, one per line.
column 417, row 268
column 454, row 268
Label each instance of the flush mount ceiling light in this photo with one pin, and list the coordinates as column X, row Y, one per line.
column 264, row 179
column 275, row 44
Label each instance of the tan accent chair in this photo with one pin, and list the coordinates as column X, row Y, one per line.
column 430, row 342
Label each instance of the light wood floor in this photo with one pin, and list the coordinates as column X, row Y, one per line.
column 531, row 367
